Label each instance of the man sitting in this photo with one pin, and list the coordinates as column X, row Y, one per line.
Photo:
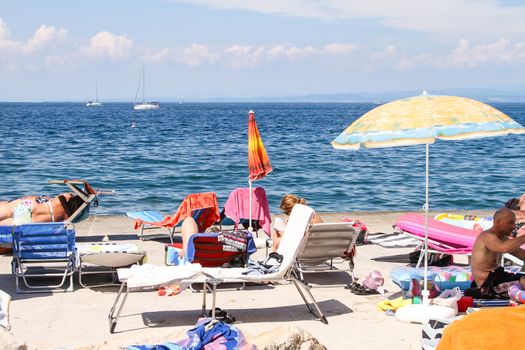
column 490, row 280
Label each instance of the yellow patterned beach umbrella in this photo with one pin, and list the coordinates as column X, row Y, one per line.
column 421, row 120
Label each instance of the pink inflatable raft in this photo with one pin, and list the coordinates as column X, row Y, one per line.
column 442, row 237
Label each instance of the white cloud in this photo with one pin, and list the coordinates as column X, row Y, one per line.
column 276, row 52
column 388, row 52
column 472, row 17
column 43, row 36
column 247, row 56
column 198, row 54
column 465, row 55
column 106, row 44
column 240, row 56
column 289, row 52
column 340, row 49
column 501, row 51
column 158, row 56
column 4, row 31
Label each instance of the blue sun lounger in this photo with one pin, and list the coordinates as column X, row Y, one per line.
column 6, row 240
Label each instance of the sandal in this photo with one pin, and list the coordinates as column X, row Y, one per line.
column 353, row 286
column 223, row 316
column 363, row 290
column 226, row 318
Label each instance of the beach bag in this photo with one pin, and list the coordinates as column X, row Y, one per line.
column 448, row 298
column 433, row 259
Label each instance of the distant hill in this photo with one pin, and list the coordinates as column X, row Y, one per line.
column 487, row 95
column 494, row 95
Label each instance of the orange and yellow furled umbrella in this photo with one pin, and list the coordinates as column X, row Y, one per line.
column 258, row 161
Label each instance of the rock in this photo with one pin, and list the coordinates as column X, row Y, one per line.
column 8, row 341
column 287, row 338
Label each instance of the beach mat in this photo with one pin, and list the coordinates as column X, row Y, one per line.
column 392, row 240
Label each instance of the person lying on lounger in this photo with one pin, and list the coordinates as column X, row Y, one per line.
column 30, row 209
column 287, row 203
column 490, row 280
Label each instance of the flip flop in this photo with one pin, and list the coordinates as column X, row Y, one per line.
column 352, row 286
column 363, row 290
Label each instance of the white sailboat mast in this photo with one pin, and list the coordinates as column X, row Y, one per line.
column 143, row 84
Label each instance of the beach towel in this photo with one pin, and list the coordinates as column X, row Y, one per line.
column 208, row 334
column 191, row 203
column 390, row 240
column 234, row 239
column 393, row 304
column 237, row 207
column 495, row 328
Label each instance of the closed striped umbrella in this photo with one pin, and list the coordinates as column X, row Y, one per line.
column 258, row 162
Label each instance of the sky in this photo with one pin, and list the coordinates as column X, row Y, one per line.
column 58, row 50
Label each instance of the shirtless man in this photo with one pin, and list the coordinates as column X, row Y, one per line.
column 490, row 280
column 38, row 209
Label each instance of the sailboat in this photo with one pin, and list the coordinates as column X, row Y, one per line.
column 95, row 103
column 144, row 105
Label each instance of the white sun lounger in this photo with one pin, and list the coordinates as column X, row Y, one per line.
column 105, row 258
column 148, row 276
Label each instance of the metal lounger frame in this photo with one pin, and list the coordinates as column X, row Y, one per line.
column 210, row 284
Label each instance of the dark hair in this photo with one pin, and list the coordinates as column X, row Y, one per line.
column 71, row 205
column 513, row 204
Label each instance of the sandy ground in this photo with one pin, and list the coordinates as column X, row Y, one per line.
column 79, row 319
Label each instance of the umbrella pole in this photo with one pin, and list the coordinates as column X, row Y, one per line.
column 250, row 218
column 425, row 292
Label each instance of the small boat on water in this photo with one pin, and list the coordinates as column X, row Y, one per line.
column 95, row 103
column 144, row 105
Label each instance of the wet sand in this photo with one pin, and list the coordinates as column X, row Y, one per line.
column 79, row 319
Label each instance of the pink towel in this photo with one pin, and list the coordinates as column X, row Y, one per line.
column 237, row 207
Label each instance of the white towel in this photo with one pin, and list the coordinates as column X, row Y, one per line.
column 154, row 276
column 4, row 309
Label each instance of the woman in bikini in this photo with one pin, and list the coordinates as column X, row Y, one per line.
column 30, row 209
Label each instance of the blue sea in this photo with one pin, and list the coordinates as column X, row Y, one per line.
column 198, row 147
